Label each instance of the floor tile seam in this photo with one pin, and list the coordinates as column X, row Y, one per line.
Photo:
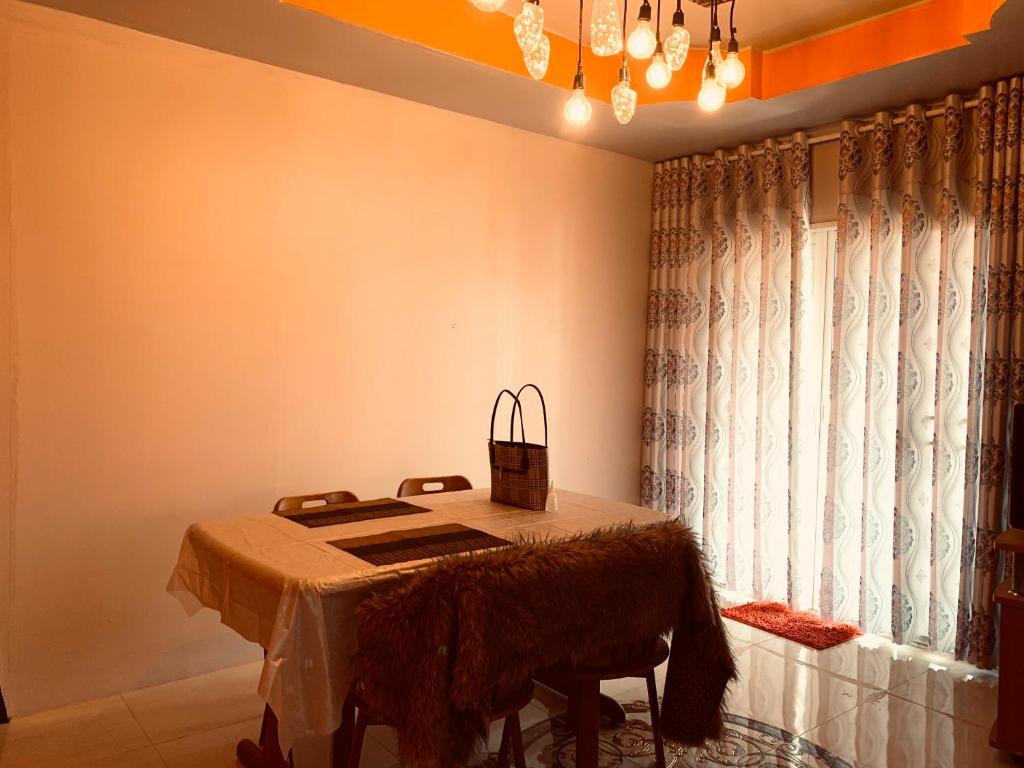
column 845, row 712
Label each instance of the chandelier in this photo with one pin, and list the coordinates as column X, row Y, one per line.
column 608, row 38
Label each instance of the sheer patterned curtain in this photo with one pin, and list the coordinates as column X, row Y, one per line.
column 926, row 340
column 723, row 426
column 994, row 194
column 925, row 349
column 901, row 345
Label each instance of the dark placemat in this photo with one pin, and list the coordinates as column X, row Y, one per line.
column 354, row 512
column 418, row 544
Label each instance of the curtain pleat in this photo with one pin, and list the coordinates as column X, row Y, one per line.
column 998, row 340
column 717, row 527
column 720, row 358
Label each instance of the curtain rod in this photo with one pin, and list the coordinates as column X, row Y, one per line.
column 825, row 138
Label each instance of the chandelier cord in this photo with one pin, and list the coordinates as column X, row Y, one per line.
column 579, row 42
column 625, row 10
column 658, row 28
column 711, row 36
column 732, row 27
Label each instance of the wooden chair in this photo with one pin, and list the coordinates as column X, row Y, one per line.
column 295, row 504
column 250, row 753
column 416, row 486
column 583, row 685
column 348, row 740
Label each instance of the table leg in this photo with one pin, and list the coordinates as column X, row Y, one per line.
column 341, row 742
column 266, row 754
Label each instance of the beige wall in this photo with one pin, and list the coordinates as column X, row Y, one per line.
column 233, row 282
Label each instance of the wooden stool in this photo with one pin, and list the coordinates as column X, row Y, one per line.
column 356, row 717
column 585, row 695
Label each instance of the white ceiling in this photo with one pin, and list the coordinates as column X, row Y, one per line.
column 760, row 23
column 285, row 36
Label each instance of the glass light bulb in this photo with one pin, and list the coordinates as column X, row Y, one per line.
column 658, row 73
column 488, row 6
column 677, row 45
column 716, row 56
column 732, row 70
column 537, row 59
column 577, row 109
column 529, row 26
column 712, row 93
column 642, row 40
column 605, row 28
column 623, row 101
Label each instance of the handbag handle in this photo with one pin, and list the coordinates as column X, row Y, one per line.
column 515, row 404
column 543, row 407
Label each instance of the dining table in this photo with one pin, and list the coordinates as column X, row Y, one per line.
column 292, row 586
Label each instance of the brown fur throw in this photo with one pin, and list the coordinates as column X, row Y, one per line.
column 432, row 651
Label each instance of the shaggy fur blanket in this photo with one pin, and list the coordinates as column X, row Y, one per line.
column 433, row 651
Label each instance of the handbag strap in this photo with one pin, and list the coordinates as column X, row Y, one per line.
column 543, row 407
column 515, row 404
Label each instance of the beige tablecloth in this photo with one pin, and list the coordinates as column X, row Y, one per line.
column 279, row 584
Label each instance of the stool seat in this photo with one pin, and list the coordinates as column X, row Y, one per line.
column 634, row 662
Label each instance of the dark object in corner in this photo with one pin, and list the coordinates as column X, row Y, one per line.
column 1007, row 733
column 1016, row 505
column 4, row 719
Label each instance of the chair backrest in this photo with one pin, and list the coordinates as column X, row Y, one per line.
column 417, row 486
column 297, row 503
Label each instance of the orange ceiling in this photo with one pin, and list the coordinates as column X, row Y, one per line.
column 457, row 28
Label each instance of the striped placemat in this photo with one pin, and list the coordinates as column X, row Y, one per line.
column 418, row 544
column 355, row 511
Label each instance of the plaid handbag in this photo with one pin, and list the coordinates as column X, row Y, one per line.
column 519, row 470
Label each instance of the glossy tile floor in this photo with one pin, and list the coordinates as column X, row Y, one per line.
column 867, row 703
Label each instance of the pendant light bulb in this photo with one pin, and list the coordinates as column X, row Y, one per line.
column 605, row 28
column 488, row 6
column 529, row 26
column 577, row 109
column 677, row 44
column 731, row 72
column 712, row 93
column 537, row 59
column 658, row 72
column 623, row 96
column 716, row 54
column 642, row 40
